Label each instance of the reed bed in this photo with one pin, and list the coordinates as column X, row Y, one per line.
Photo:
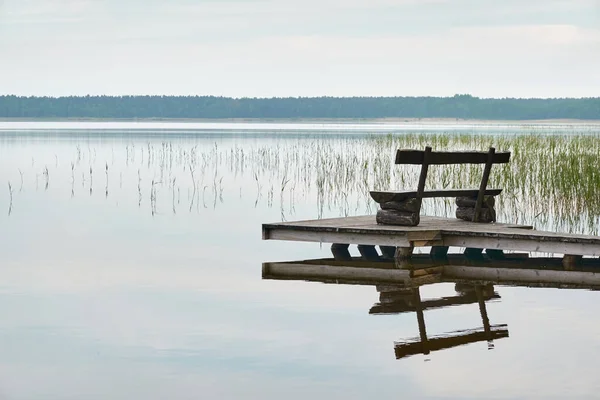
column 551, row 181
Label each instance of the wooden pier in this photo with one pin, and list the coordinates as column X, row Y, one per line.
column 437, row 232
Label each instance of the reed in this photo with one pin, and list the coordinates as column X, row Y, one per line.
column 551, row 181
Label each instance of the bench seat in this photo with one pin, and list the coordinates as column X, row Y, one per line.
column 384, row 197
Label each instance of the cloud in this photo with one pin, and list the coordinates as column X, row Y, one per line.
column 253, row 48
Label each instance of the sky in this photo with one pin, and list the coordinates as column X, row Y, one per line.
column 280, row 48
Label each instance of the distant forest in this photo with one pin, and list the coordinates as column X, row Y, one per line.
column 459, row 106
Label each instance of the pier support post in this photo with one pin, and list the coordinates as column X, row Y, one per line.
column 402, row 257
column 439, row 252
column 495, row 254
column 340, row 252
column 570, row 262
column 388, row 251
column 473, row 253
column 368, row 252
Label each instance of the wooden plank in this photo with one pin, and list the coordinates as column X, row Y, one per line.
column 404, row 304
column 303, row 271
column 524, row 243
column 416, row 157
column 454, row 339
column 388, row 196
column 339, row 237
column 521, row 275
column 364, row 230
column 367, row 222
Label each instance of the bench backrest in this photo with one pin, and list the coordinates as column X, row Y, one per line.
column 428, row 157
column 417, row 157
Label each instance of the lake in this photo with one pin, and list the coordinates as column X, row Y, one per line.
column 132, row 260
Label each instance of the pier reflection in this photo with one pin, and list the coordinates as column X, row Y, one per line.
column 398, row 300
column 400, row 289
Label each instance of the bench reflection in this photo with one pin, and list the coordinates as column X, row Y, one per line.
column 400, row 289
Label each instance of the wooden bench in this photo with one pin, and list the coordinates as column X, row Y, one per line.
column 413, row 199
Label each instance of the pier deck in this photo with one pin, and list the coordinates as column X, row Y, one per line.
column 433, row 231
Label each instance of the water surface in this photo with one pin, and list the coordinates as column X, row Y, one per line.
column 131, row 268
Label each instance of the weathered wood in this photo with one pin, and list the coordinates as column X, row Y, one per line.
column 454, row 339
column 368, row 252
column 469, row 288
column 403, row 253
column 340, row 252
column 483, row 185
column 471, row 202
column 423, row 177
column 399, row 196
column 388, row 251
column 422, row 272
column 482, row 310
column 571, row 261
column 402, row 257
column 420, row 319
column 530, row 273
column 451, row 232
column 468, row 214
column 409, row 205
column 375, row 238
column 539, row 244
column 336, row 273
column 521, row 276
column 393, row 217
column 402, row 302
column 416, row 157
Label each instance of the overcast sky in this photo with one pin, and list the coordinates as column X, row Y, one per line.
column 264, row 48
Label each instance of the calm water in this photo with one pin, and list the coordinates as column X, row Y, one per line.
column 142, row 279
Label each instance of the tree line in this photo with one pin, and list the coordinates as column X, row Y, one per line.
column 459, row 106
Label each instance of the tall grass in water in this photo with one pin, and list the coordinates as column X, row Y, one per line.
column 550, row 182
